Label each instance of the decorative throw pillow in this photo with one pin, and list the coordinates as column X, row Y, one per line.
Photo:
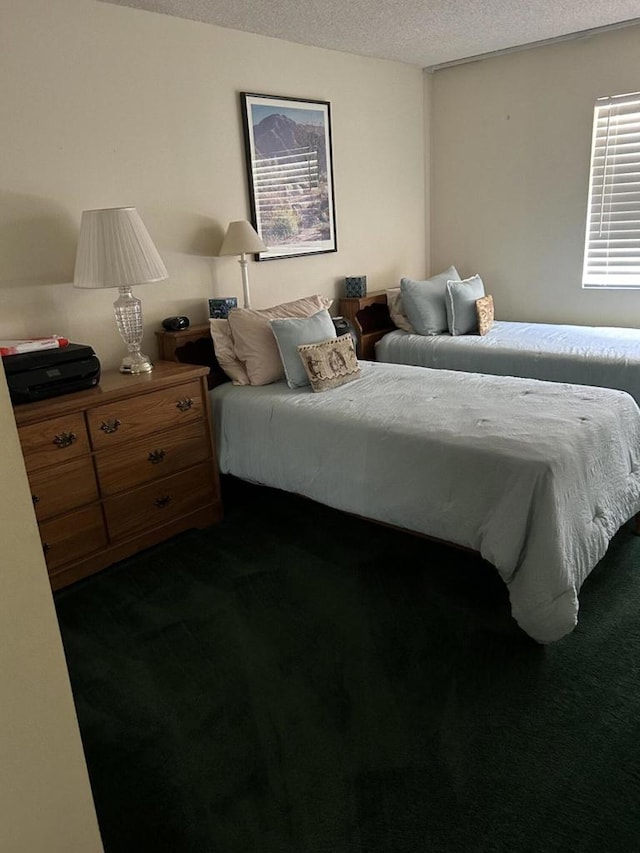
column 253, row 341
column 396, row 310
column 330, row 363
column 223, row 348
column 484, row 313
column 290, row 332
column 461, row 305
column 424, row 302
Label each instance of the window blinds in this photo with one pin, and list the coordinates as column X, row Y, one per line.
column 612, row 244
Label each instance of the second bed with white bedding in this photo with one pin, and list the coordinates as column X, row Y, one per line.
column 535, row 476
column 587, row 355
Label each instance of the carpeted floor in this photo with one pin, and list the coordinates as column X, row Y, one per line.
column 298, row 681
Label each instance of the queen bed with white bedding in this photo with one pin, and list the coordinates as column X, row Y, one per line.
column 535, row 476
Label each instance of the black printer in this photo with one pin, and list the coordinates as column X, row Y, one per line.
column 47, row 373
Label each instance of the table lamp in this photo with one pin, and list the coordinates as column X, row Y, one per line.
column 115, row 250
column 242, row 238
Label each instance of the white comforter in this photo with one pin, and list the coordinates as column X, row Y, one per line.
column 536, row 476
column 586, row 355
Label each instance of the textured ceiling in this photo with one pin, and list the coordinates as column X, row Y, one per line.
column 421, row 32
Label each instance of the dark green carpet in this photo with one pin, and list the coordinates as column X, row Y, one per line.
column 299, row 681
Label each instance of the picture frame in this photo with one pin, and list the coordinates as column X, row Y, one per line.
column 289, row 164
column 219, row 307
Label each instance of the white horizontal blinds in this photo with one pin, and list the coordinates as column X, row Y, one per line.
column 612, row 245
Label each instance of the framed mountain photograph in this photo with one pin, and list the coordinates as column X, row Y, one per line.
column 290, row 174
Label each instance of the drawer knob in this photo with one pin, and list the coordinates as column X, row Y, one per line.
column 165, row 500
column 156, row 456
column 110, row 425
column 185, row 404
column 65, row 439
column 35, row 499
column 45, row 547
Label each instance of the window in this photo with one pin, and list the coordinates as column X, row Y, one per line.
column 612, row 243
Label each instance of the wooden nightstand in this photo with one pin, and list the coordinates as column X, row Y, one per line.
column 120, row 467
column 370, row 318
column 168, row 341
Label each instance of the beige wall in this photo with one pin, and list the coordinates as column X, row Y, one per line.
column 45, row 799
column 105, row 105
column 427, row 95
column 511, row 140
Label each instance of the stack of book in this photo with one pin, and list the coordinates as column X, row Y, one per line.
column 31, row 344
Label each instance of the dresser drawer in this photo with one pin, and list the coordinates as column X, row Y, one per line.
column 53, row 441
column 154, row 457
column 73, row 536
column 137, row 449
column 159, row 503
column 126, row 420
column 63, row 487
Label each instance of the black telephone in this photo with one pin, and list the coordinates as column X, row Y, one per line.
column 345, row 327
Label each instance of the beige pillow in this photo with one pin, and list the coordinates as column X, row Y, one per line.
column 396, row 311
column 254, row 343
column 484, row 313
column 223, row 347
column 330, row 363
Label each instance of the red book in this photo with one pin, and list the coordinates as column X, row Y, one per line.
column 31, row 344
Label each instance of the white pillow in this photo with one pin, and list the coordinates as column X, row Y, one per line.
column 253, row 341
column 223, row 348
column 396, row 310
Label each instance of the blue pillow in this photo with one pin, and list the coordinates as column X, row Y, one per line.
column 461, row 305
column 424, row 302
column 290, row 332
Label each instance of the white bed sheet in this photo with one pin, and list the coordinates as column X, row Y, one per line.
column 535, row 476
column 587, row 355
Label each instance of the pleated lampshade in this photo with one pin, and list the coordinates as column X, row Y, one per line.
column 115, row 250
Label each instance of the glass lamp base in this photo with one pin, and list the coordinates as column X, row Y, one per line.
column 128, row 311
column 136, row 362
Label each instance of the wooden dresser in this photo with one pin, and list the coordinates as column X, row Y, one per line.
column 120, row 467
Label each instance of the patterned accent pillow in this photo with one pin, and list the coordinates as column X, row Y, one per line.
column 484, row 312
column 330, row 363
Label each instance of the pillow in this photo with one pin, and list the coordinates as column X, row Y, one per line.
column 396, row 310
column 424, row 302
column 330, row 363
column 484, row 313
column 461, row 304
column 290, row 332
column 253, row 341
column 223, row 347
